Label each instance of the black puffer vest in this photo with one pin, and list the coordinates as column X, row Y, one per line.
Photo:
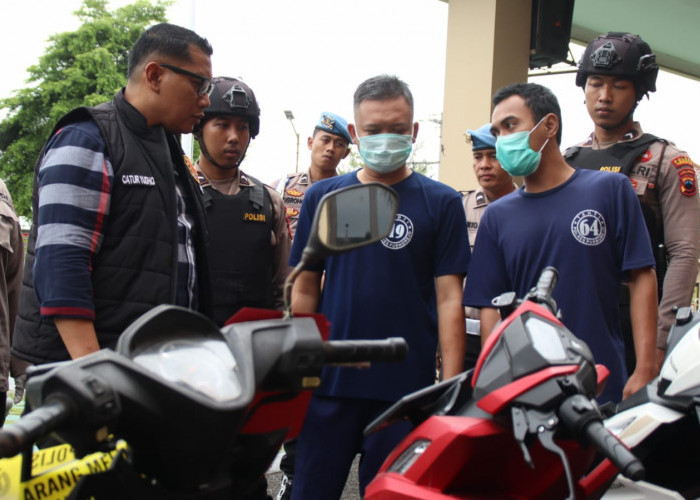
column 136, row 267
column 240, row 249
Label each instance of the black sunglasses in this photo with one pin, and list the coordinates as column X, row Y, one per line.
column 206, row 87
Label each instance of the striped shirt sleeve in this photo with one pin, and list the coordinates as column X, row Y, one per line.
column 75, row 183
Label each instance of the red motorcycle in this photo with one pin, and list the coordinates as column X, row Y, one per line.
column 183, row 409
column 523, row 424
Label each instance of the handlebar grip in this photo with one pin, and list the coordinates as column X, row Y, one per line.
column 547, row 281
column 581, row 417
column 32, row 426
column 615, row 450
column 357, row 351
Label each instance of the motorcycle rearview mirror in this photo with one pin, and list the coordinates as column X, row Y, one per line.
column 345, row 219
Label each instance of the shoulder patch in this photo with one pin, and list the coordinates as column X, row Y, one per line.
column 686, row 175
column 682, row 161
column 688, row 185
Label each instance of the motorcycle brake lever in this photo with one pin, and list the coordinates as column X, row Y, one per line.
column 545, row 434
column 520, row 430
column 544, row 425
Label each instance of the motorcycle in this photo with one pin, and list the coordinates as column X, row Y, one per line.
column 661, row 422
column 523, row 424
column 183, row 409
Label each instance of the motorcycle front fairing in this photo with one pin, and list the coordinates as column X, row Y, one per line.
column 504, row 441
column 661, row 422
column 180, row 392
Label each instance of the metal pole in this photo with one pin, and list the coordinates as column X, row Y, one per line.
column 296, row 169
column 290, row 116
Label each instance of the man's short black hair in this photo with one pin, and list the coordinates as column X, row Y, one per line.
column 382, row 88
column 538, row 98
column 166, row 39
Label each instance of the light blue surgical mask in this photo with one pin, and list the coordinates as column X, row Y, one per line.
column 385, row 153
column 515, row 155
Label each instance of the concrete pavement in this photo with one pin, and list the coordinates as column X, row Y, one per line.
column 351, row 491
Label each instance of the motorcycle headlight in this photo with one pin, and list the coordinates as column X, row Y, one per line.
column 409, row 456
column 205, row 366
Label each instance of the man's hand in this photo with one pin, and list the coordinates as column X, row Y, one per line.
column 20, row 382
column 637, row 380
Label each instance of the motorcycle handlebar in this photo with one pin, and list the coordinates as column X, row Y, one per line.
column 32, row 426
column 547, row 281
column 616, row 451
column 580, row 416
column 358, row 351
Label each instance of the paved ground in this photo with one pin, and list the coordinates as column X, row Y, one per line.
column 351, row 492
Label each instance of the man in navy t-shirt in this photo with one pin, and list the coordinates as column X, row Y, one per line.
column 587, row 224
column 409, row 284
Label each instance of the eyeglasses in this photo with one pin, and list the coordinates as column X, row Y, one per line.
column 206, row 87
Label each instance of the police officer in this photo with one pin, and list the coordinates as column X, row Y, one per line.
column 615, row 72
column 494, row 182
column 329, row 144
column 11, row 266
column 249, row 239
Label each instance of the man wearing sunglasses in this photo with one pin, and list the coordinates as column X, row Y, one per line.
column 118, row 223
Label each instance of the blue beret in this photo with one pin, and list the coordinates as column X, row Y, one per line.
column 334, row 124
column 482, row 138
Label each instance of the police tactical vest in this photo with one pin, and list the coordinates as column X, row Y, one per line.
column 240, row 249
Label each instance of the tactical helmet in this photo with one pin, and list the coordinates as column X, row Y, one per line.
column 620, row 54
column 232, row 97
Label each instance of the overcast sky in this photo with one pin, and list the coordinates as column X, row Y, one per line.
column 308, row 56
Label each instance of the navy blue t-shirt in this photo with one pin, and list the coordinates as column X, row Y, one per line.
column 388, row 288
column 591, row 230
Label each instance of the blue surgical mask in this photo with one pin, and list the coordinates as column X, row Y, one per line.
column 515, row 155
column 385, row 153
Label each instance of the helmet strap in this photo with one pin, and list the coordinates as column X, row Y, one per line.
column 205, row 152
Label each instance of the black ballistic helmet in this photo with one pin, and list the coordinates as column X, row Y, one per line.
column 232, row 97
column 620, row 54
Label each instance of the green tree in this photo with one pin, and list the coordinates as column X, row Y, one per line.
column 83, row 67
